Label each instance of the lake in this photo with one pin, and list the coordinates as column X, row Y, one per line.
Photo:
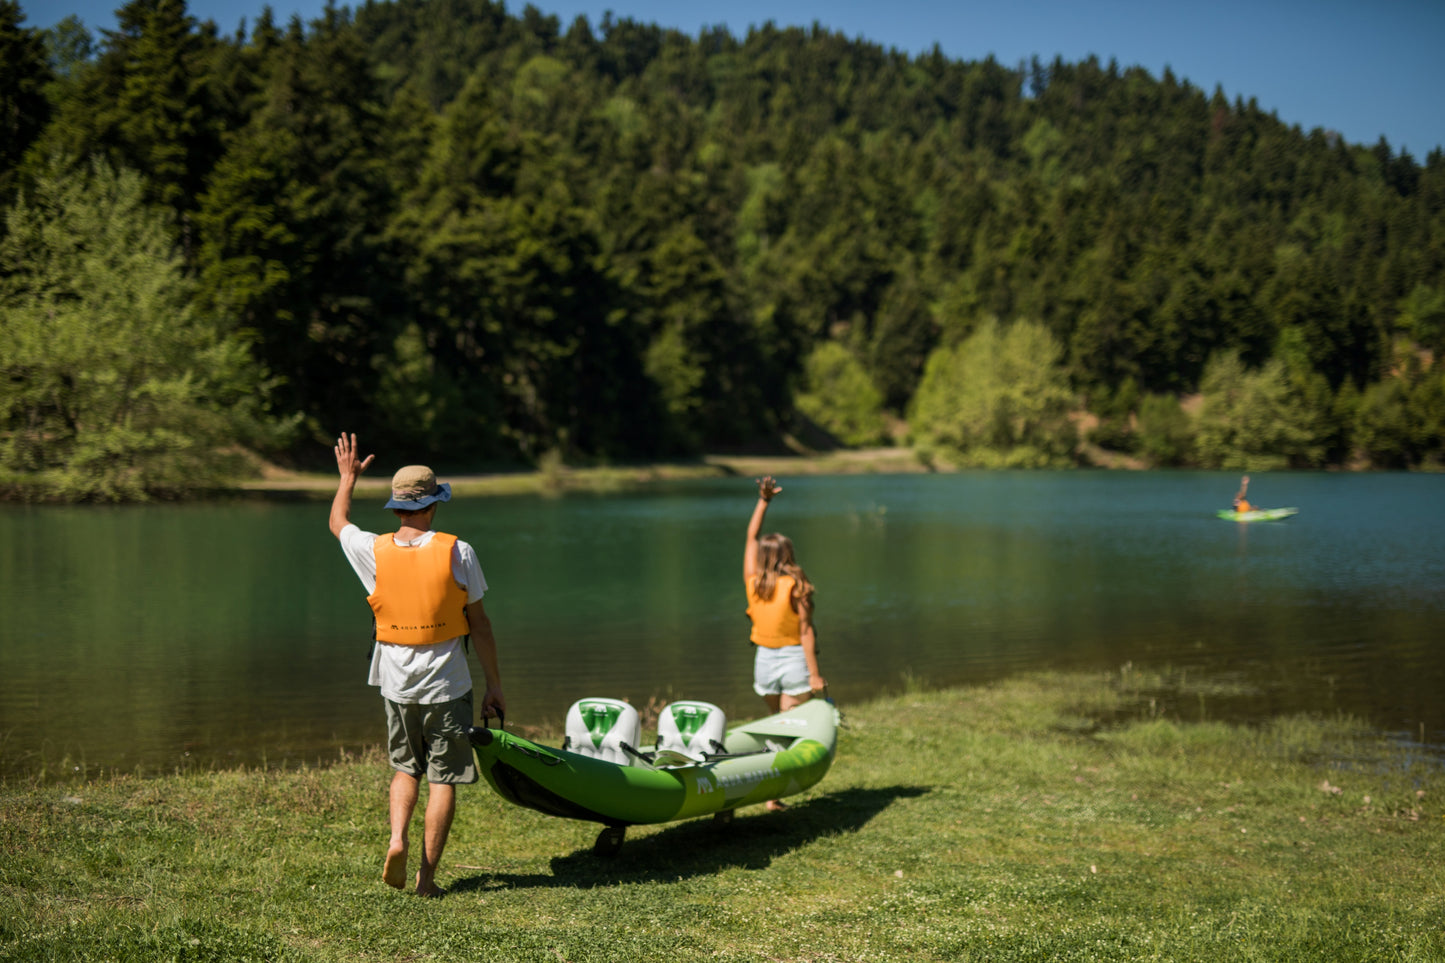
column 158, row 638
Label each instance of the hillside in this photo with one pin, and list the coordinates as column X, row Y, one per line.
column 461, row 230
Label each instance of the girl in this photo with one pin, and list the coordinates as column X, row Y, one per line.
column 780, row 605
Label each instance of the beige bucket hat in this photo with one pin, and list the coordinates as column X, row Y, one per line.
column 415, row 487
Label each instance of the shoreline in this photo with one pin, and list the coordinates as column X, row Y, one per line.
column 274, row 482
column 283, row 483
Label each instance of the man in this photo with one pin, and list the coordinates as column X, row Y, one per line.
column 425, row 588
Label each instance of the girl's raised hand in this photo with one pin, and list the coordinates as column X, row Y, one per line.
column 768, row 487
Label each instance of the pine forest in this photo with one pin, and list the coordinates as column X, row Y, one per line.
column 488, row 238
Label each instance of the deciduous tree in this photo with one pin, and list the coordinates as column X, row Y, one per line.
column 112, row 385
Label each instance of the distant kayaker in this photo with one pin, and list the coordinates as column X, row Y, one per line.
column 780, row 605
column 425, row 588
column 1241, row 504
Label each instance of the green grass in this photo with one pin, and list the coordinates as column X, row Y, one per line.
column 1051, row 817
column 553, row 477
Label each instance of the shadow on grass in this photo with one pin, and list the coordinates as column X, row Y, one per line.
column 700, row 847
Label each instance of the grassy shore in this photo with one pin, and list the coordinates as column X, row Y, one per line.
column 1043, row 818
column 555, row 478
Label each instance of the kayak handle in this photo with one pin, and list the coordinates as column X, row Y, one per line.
column 482, row 735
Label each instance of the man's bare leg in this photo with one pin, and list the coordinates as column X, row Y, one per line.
column 404, row 791
column 441, row 805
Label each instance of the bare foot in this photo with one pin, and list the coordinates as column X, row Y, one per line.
column 776, row 805
column 426, row 886
column 394, row 869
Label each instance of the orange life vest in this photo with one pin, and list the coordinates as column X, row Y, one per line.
column 1243, row 506
column 775, row 624
column 417, row 599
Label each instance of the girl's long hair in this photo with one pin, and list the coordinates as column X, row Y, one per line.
column 775, row 557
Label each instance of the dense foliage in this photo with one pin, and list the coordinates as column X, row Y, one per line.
column 483, row 237
column 117, row 388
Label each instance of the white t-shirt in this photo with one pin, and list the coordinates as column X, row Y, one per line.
column 417, row 674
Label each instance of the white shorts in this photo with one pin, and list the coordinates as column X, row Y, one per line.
column 781, row 671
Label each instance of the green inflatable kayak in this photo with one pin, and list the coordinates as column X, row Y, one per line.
column 1257, row 514
column 696, row 768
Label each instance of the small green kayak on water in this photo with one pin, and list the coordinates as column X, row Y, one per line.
column 1257, row 514
column 696, row 769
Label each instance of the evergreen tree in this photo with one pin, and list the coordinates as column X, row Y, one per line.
column 24, row 110
column 506, row 266
column 158, row 114
column 145, row 103
column 292, row 224
column 70, row 46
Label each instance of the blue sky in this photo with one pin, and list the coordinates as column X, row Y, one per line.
column 1364, row 68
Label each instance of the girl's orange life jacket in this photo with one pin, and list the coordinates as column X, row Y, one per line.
column 417, row 599
column 775, row 624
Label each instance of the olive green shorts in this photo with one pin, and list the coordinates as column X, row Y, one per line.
column 432, row 740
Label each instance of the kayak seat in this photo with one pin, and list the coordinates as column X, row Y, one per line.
column 607, row 729
column 692, row 729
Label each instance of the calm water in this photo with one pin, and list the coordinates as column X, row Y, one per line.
column 163, row 637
